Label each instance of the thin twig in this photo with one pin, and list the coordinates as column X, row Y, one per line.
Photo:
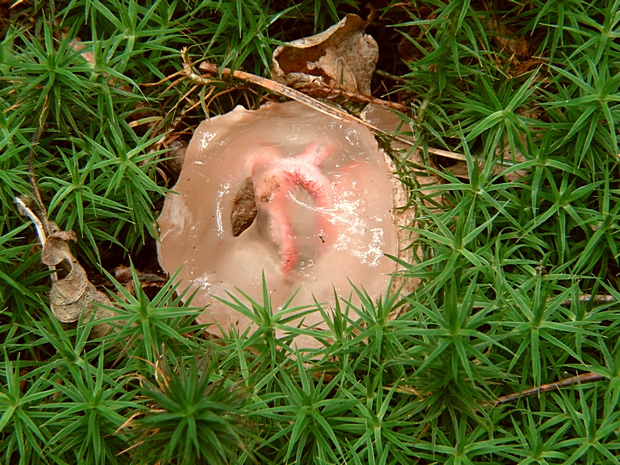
column 393, row 77
column 293, row 94
column 300, row 97
column 317, row 87
column 598, row 299
column 33, row 177
column 582, row 378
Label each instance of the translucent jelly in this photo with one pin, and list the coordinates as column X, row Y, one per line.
column 286, row 191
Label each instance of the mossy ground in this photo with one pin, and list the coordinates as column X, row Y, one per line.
column 519, row 268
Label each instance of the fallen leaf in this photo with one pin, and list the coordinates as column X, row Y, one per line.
column 74, row 295
column 343, row 57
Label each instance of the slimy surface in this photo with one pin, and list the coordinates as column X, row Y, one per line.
column 285, row 191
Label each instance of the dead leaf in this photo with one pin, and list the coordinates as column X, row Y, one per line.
column 506, row 38
column 343, row 57
column 74, row 295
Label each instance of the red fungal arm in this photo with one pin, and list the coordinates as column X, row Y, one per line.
column 283, row 234
column 276, row 186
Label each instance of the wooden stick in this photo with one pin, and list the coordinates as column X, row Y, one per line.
column 582, row 378
column 293, row 94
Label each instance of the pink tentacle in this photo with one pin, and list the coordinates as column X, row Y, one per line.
column 311, row 178
column 315, row 154
column 304, row 170
column 263, row 155
column 275, row 185
column 284, row 235
column 282, row 232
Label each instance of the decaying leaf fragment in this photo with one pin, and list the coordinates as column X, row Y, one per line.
column 343, row 57
column 73, row 295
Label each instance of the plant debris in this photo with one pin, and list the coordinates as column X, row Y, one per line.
column 342, row 57
column 74, row 296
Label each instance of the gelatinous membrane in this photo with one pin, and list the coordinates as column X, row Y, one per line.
column 285, row 191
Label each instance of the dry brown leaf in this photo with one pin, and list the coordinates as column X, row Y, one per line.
column 343, row 57
column 507, row 39
column 74, row 295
